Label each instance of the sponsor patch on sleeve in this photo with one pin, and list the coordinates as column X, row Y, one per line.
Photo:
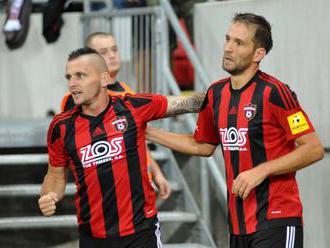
column 297, row 123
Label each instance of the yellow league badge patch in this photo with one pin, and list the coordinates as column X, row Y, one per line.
column 297, row 123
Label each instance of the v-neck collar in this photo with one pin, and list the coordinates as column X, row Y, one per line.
column 99, row 116
column 253, row 79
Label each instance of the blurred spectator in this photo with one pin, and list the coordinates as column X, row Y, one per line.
column 16, row 26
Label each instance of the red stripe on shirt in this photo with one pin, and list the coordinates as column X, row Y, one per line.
column 123, row 190
column 93, row 189
column 149, row 192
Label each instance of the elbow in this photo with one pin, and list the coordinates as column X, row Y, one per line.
column 318, row 151
column 206, row 152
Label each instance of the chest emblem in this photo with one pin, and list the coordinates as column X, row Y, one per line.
column 120, row 124
column 250, row 111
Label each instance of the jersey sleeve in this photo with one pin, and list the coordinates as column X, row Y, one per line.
column 56, row 151
column 67, row 103
column 205, row 130
column 149, row 106
column 286, row 110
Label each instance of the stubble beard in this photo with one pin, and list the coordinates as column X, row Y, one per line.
column 236, row 69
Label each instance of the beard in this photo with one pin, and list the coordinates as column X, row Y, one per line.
column 236, row 68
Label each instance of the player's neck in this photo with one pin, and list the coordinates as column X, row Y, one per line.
column 238, row 81
column 97, row 106
column 113, row 78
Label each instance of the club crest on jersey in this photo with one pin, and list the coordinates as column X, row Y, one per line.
column 250, row 111
column 120, row 124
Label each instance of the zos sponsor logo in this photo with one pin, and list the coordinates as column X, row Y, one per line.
column 233, row 139
column 101, row 152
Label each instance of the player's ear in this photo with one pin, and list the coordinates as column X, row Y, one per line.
column 259, row 54
column 105, row 79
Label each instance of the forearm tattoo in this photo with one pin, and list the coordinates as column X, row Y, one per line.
column 184, row 104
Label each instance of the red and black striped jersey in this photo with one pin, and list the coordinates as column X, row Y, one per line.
column 107, row 155
column 115, row 89
column 254, row 124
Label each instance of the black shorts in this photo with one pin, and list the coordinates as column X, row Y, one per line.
column 277, row 237
column 148, row 238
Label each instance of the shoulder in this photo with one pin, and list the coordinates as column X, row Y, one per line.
column 54, row 129
column 139, row 100
column 281, row 94
column 215, row 89
column 220, row 83
column 269, row 79
column 62, row 117
column 135, row 101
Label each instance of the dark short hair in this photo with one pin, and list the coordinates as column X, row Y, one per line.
column 80, row 52
column 263, row 34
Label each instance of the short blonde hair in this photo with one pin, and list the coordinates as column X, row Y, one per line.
column 91, row 36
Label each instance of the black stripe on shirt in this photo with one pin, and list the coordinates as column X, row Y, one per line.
column 234, row 158
column 70, row 144
column 275, row 97
column 292, row 96
column 258, row 151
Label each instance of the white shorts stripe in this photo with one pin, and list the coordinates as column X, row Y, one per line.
column 157, row 233
column 293, row 235
column 287, row 237
column 290, row 236
column 290, row 240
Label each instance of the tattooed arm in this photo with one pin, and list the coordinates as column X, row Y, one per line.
column 184, row 104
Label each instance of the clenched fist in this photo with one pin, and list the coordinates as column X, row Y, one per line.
column 47, row 203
